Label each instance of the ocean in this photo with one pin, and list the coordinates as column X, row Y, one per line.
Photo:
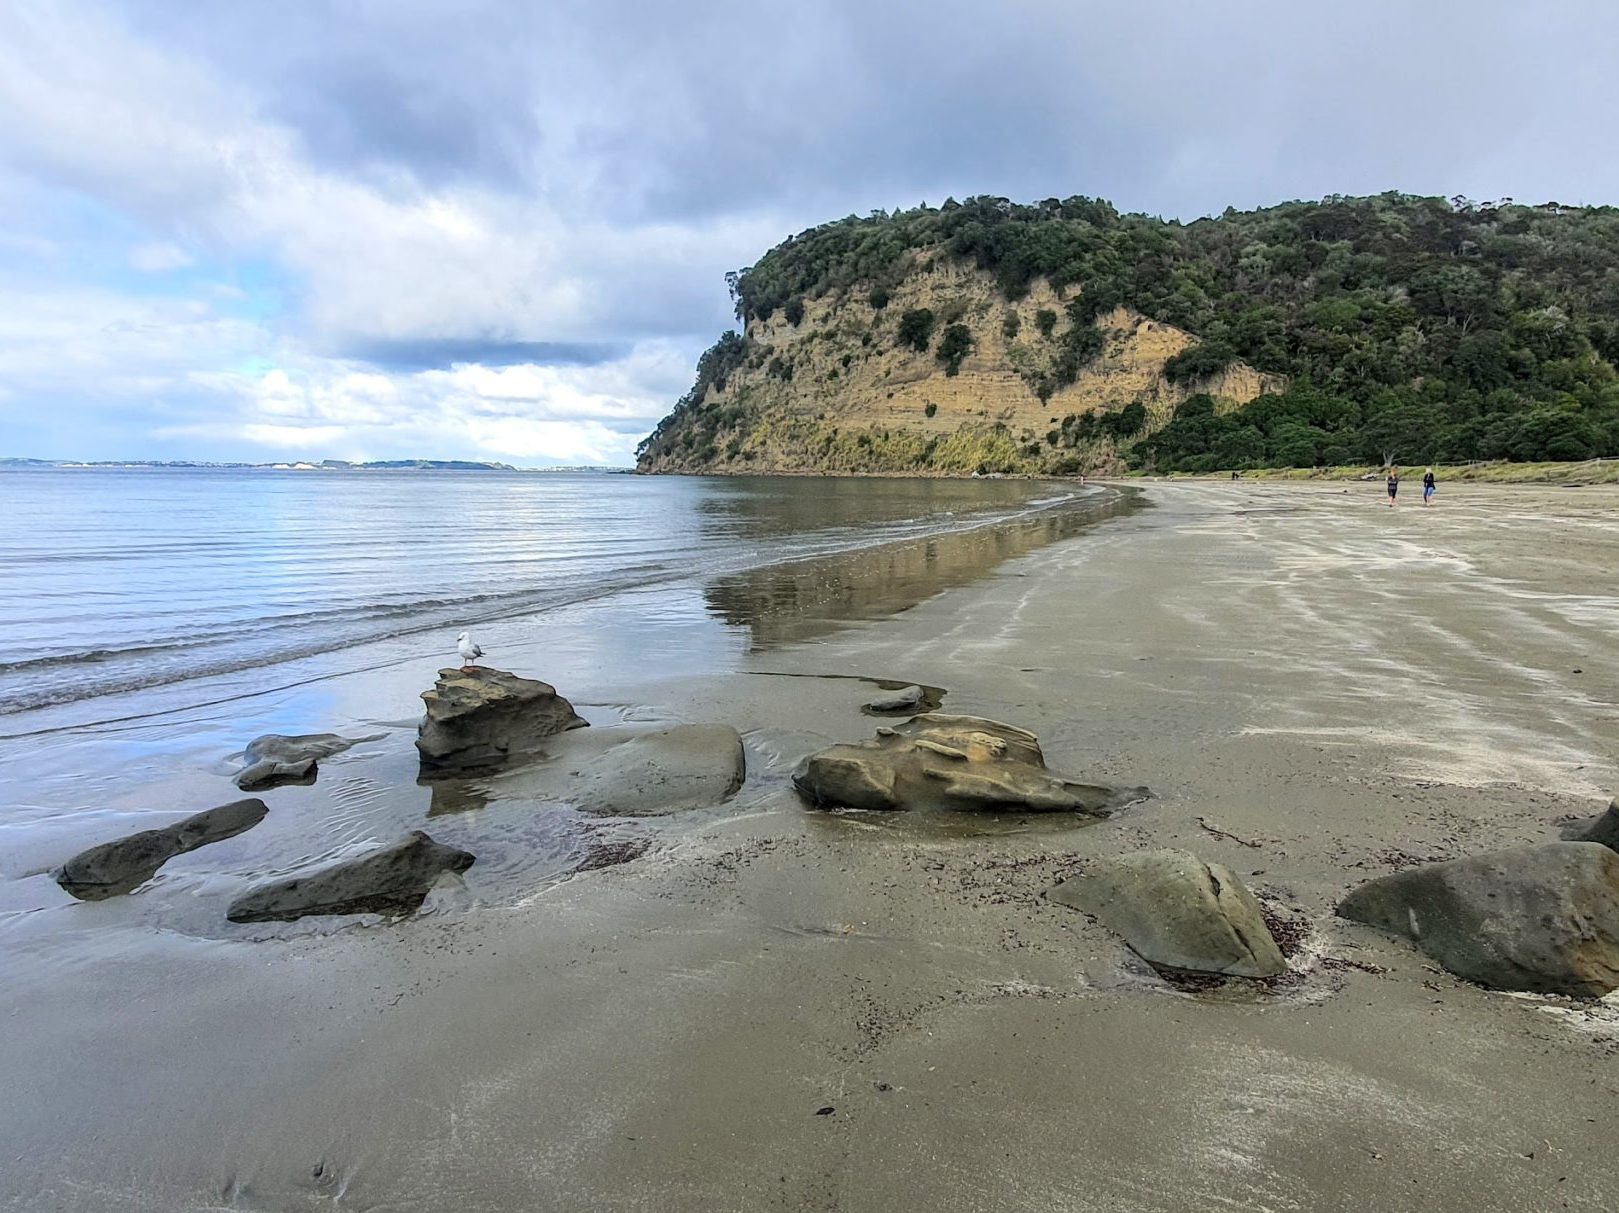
column 120, row 580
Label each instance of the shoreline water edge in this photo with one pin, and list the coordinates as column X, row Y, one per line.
column 747, row 1001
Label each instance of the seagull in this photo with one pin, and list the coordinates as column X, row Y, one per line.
column 468, row 649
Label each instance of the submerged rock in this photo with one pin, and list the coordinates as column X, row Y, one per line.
column 117, row 867
column 688, row 766
column 1539, row 918
column 951, row 762
column 1603, row 828
column 273, row 759
column 394, row 880
column 478, row 719
column 907, row 700
column 1178, row 912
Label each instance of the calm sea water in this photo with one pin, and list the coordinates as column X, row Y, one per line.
column 116, row 580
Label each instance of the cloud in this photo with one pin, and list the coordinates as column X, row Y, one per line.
column 158, row 257
column 551, row 414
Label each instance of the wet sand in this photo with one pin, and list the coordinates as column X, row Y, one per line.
column 1317, row 689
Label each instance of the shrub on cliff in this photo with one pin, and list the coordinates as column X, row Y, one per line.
column 955, row 345
column 916, row 328
column 1199, row 362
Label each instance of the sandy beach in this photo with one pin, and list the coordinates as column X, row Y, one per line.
column 776, row 1007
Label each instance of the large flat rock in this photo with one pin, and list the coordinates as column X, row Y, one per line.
column 951, row 762
column 480, row 719
column 1178, row 912
column 1541, row 918
column 126, row 863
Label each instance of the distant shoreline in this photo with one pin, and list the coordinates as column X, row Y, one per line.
column 324, row 465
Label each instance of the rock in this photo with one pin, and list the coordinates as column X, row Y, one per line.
column 117, row 867
column 689, row 766
column 1603, row 828
column 1540, row 918
column 273, row 760
column 478, row 719
column 394, row 880
column 950, row 762
column 900, row 701
column 1178, row 912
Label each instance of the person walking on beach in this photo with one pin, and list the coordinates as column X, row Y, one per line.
column 1394, row 485
column 1428, row 487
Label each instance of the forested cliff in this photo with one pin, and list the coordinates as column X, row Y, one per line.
column 1064, row 336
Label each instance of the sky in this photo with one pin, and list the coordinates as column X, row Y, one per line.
column 481, row 229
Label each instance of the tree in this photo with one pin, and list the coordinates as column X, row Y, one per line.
column 1401, row 427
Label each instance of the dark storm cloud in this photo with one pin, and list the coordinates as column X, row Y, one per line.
column 640, row 108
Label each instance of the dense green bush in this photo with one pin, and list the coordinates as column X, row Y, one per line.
column 1198, row 362
column 793, row 310
column 955, row 345
column 916, row 328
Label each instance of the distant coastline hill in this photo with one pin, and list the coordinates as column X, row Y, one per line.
column 1063, row 336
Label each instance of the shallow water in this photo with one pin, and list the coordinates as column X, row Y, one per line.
column 121, row 579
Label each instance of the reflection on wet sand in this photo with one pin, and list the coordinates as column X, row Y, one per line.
column 763, row 506
column 803, row 599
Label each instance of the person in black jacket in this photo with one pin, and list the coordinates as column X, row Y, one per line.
column 1394, row 485
column 1428, row 487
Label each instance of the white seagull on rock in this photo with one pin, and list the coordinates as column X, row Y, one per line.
column 469, row 650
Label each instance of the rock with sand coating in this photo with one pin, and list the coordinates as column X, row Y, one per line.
column 1177, row 912
column 1543, row 918
column 685, row 767
column 1603, row 828
column 951, row 762
column 907, row 700
column 394, row 880
column 480, row 719
column 273, row 759
column 117, row 867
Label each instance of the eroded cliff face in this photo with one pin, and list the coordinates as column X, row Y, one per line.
column 843, row 391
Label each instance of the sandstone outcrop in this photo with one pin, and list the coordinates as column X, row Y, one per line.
column 1540, row 918
column 1177, row 912
column 840, row 391
column 393, row 880
column 951, row 762
column 479, row 719
column 122, row 865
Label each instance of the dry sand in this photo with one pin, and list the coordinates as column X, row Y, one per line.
column 777, row 1008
